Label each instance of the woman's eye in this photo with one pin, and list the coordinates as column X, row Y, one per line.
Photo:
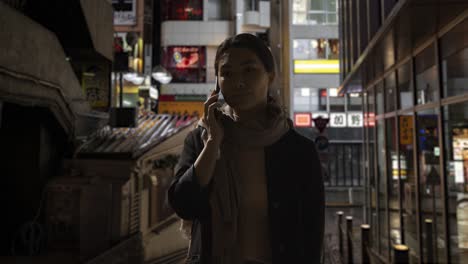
column 226, row 74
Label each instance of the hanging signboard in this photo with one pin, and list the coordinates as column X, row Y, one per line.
column 124, row 12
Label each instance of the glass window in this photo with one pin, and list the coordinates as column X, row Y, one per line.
column 313, row 49
column 455, row 60
column 354, row 102
column 315, row 12
column 388, row 6
column 390, row 93
column 456, row 157
column 337, row 102
column 183, row 10
column 426, row 76
column 372, row 177
column 382, row 187
column 251, row 5
column 392, row 180
column 388, row 51
column 406, row 86
column 403, row 31
column 379, row 98
column 302, row 100
column 310, row 99
column 374, row 16
column 430, row 187
column 408, row 186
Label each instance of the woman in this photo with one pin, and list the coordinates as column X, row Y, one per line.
column 250, row 184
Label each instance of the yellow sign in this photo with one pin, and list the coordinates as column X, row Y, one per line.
column 191, row 108
column 406, row 130
column 316, row 66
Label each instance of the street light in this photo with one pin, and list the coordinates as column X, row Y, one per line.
column 134, row 78
column 161, row 76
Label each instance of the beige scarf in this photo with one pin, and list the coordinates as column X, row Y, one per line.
column 225, row 197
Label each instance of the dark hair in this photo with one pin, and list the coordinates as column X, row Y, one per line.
column 250, row 42
column 259, row 48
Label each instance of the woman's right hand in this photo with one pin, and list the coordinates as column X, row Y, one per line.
column 213, row 120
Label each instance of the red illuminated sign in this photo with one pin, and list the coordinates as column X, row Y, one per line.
column 302, row 119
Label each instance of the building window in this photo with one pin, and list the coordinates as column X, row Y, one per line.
column 315, row 12
column 380, row 98
column 315, row 49
column 456, row 167
column 405, row 86
column 183, row 10
column 337, row 101
column 455, row 61
column 432, row 222
column 310, row 100
column 354, row 102
column 390, row 92
column 187, row 64
column 426, row 76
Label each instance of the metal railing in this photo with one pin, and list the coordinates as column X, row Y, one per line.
column 344, row 168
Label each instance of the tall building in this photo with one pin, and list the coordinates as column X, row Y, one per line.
column 190, row 34
column 315, row 78
column 409, row 60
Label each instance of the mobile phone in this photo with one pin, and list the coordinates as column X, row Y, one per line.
column 218, row 91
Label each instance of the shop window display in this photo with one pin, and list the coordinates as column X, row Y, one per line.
column 456, row 167
column 455, row 61
column 431, row 202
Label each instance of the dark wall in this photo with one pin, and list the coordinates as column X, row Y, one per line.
column 32, row 145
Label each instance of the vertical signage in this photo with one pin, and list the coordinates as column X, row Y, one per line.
column 406, row 130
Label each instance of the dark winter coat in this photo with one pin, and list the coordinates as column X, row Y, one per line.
column 295, row 200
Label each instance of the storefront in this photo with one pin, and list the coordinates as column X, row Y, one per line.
column 417, row 152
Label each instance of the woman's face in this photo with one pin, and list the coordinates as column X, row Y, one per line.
column 243, row 79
